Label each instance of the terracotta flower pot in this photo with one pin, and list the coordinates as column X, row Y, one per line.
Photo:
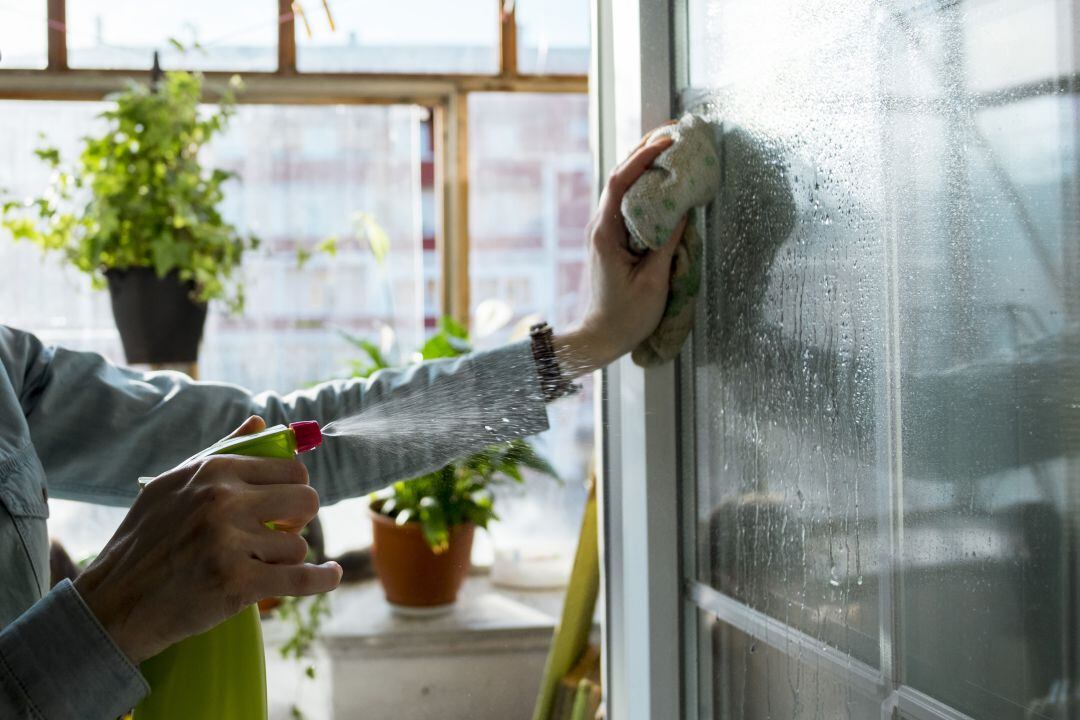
column 412, row 575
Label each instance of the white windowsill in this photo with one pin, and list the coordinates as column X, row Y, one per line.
column 483, row 659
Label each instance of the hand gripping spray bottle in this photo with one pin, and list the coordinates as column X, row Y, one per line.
column 221, row 673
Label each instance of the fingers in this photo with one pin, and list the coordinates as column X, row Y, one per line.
column 255, row 470
column 294, row 580
column 648, row 136
column 659, row 261
column 276, row 547
column 287, row 506
column 626, row 174
column 250, row 426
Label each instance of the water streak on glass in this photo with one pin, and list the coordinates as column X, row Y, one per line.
column 891, row 322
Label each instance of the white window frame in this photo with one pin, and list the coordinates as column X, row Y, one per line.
column 639, row 499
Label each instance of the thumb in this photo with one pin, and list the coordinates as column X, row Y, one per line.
column 250, row 426
column 659, row 260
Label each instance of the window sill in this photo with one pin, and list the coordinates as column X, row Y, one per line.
column 483, row 659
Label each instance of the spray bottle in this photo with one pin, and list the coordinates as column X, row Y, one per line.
column 221, row 673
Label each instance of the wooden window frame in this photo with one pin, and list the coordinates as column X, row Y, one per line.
column 446, row 94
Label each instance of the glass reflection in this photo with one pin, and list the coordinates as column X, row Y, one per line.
column 891, row 329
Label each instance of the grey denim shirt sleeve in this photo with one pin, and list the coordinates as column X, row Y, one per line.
column 77, row 427
column 57, row 662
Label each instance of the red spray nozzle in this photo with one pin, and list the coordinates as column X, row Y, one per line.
column 308, row 435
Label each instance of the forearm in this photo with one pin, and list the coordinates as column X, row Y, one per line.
column 56, row 662
column 581, row 351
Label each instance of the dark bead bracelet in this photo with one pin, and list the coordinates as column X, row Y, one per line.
column 553, row 381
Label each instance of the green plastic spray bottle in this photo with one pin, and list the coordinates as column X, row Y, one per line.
column 221, row 673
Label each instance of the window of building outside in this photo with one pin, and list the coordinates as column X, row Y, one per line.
column 380, row 37
column 305, row 174
column 553, row 37
column 23, row 34
column 191, row 35
column 530, row 176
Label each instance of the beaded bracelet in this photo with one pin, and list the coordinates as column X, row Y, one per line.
column 553, row 382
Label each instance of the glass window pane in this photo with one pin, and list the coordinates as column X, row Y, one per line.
column 749, row 678
column 415, row 36
column 217, row 35
column 553, row 37
column 305, row 172
column 889, row 326
column 23, row 34
column 530, row 174
column 988, row 236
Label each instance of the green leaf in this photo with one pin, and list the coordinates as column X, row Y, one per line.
column 48, row 155
column 450, row 326
column 369, row 230
column 328, row 245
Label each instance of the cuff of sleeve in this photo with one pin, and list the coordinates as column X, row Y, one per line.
column 65, row 662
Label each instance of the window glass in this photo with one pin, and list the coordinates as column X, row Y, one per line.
column 305, row 173
column 759, row 676
column 216, row 35
column 412, row 36
column 23, row 34
column 886, row 352
column 553, row 37
column 530, row 174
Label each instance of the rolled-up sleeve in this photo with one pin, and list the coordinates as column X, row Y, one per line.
column 58, row 663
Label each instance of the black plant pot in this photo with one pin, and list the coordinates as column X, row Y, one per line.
column 157, row 319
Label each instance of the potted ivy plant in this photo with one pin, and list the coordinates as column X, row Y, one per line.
column 138, row 212
column 423, row 528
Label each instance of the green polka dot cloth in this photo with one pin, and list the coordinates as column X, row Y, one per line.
column 685, row 176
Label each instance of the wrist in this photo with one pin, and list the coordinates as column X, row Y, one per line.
column 110, row 618
column 581, row 351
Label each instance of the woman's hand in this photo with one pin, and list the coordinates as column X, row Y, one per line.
column 629, row 291
column 194, row 549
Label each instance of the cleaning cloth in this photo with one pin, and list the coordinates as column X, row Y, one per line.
column 684, row 177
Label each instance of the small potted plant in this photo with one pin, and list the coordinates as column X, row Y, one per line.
column 423, row 527
column 137, row 211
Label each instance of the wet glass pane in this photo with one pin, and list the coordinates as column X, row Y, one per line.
column 421, row 36
column 749, row 678
column 553, row 37
column 889, row 329
column 788, row 362
column 214, row 35
column 23, row 34
column 989, row 367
